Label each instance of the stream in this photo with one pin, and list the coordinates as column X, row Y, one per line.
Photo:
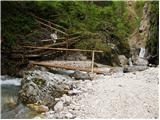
column 10, row 106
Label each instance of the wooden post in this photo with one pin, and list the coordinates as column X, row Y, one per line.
column 92, row 64
column 67, row 44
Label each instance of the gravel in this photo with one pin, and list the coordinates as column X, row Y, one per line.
column 124, row 95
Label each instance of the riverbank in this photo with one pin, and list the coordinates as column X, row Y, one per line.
column 116, row 95
column 121, row 95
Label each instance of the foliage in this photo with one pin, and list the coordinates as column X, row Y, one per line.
column 153, row 39
column 139, row 8
column 15, row 23
column 99, row 23
column 139, row 11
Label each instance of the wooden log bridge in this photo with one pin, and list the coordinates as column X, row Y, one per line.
column 63, row 49
column 76, row 50
column 49, row 65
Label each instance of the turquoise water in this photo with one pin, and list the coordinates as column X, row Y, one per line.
column 11, row 108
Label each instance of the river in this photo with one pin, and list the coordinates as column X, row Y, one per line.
column 11, row 108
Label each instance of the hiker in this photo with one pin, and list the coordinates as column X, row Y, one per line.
column 54, row 36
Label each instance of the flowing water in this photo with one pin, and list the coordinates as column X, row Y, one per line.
column 130, row 62
column 142, row 53
column 10, row 106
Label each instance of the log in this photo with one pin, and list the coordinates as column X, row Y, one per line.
column 74, row 38
column 64, row 49
column 49, row 22
column 56, row 44
column 51, row 27
column 35, row 50
column 71, row 41
column 40, row 54
column 57, row 25
column 66, row 67
column 51, row 45
column 46, row 40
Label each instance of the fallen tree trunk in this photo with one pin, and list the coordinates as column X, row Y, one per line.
column 51, row 27
column 61, row 43
column 66, row 67
column 63, row 49
column 49, row 22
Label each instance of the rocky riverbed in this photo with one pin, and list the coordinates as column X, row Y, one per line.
column 121, row 95
column 116, row 95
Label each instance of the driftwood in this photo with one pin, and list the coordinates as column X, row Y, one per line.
column 49, row 22
column 62, row 43
column 66, row 67
column 56, row 44
column 64, row 49
column 46, row 40
column 41, row 50
column 52, row 27
column 42, row 53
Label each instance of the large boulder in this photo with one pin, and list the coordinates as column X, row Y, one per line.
column 78, row 75
column 141, row 62
column 134, row 68
column 123, row 60
column 42, row 87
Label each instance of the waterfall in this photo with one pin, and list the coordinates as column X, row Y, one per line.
column 130, row 62
column 142, row 53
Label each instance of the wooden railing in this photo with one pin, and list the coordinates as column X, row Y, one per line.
column 67, row 39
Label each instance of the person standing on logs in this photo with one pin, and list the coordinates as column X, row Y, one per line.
column 54, row 36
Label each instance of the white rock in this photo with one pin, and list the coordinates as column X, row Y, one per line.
column 141, row 61
column 77, row 118
column 57, row 99
column 69, row 115
column 89, row 84
column 123, row 60
column 74, row 91
column 58, row 107
column 83, row 89
column 66, row 99
column 49, row 113
column 37, row 117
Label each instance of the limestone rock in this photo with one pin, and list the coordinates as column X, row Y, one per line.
column 69, row 115
column 141, row 62
column 81, row 75
column 43, row 87
column 66, row 99
column 135, row 68
column 37, row 117
column 58, row 107
column 123, row 60
column 38, row 108
column 74, row 92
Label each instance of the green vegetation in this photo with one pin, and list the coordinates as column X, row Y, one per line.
column 153, row 39
column 139, row 8
column 139, row 11
column 15, row 24
column 103, row 25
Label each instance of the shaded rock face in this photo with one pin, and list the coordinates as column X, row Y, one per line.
column 145, row 24
column 12, row 66
column 139, row 38
column 43, row 87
